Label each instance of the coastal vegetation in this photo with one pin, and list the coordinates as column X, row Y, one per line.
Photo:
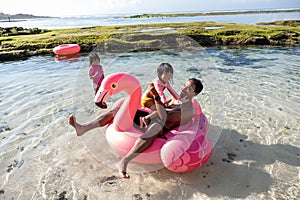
column 8, row 17
column 294, row 23
column 19, row 43
column 211, row 13
column 20, row 31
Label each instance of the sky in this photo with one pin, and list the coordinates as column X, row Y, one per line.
column 89, row 7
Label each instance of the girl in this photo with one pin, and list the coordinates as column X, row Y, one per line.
column 96, row 71
column 164, row 76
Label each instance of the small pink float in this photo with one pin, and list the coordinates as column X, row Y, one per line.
column 66, row 49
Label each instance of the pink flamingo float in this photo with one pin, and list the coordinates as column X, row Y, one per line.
column 186, row 147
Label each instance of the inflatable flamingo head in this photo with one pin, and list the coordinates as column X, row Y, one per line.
column 114, row 84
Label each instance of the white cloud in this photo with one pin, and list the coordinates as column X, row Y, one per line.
column 121, row 3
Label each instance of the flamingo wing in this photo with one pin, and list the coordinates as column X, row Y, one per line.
column 189, row 149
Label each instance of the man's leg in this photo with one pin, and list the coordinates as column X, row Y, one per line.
column 144, row 121
column 141, row 144
column 102, row 120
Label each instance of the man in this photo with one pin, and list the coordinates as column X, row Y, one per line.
column 180, row 113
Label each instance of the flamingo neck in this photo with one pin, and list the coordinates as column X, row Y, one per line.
column 125, row 116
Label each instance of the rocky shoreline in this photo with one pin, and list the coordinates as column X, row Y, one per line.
column 19, row 43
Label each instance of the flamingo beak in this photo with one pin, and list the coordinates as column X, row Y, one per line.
column 100, row 99
column 101, row 105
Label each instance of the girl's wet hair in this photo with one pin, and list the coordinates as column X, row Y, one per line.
column 93, row 56
column 165, row 68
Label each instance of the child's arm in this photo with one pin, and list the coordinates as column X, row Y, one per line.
column 172, row 91
column 159, row 87
column 160, row 109
column 94, row 75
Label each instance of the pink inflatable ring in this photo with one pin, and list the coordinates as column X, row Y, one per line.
column 66, row 49
column 186, row 147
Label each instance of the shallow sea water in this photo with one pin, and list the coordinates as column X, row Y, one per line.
column 251, row 98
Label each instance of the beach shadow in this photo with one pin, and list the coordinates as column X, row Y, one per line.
column 236, row 169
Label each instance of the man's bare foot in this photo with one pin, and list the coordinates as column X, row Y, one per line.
column 78, row 127
column 124, row 175
column 122, row 170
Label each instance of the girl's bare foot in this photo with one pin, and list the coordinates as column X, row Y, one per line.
column 143, row 122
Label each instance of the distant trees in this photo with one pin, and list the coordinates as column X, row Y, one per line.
column 9, row 17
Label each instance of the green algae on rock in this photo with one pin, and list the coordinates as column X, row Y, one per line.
column 146, row 37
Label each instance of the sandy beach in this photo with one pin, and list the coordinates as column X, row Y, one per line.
column 251, row 98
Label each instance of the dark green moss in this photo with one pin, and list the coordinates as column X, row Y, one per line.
column 294, row 23
column 12, row 31
column 147, row 36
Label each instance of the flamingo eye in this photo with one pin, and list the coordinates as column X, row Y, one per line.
column 113, row 86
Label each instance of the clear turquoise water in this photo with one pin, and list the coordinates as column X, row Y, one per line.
column 251, row 97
